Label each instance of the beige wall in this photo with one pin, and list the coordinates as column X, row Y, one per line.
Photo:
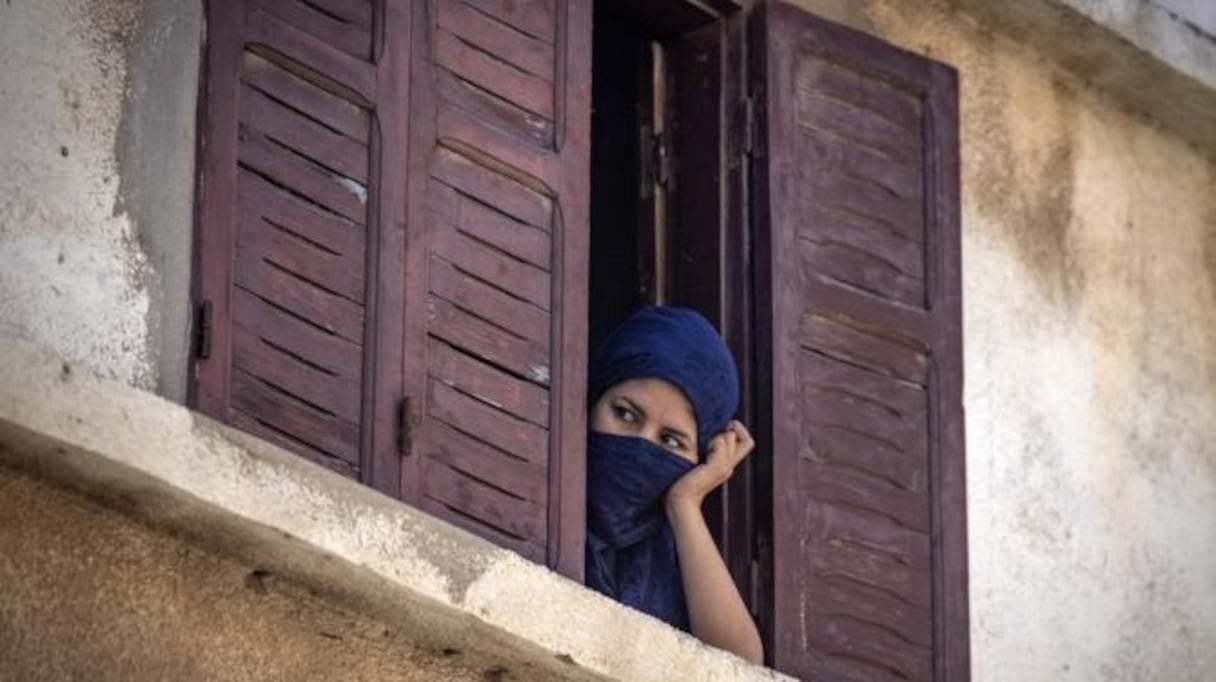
column 88, row 594
column 1089, row 258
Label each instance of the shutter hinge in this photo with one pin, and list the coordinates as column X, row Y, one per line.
column 749, row 126
column 406, row 421
column 203, row 334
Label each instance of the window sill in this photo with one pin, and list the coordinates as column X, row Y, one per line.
column 187, row 476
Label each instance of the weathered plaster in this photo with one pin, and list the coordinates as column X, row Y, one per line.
column 1144, row 55
column 88, row 593
column 1198, row 15
column 270, row 518
column 90, row 266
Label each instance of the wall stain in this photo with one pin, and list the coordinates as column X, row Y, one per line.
column 1019, row 153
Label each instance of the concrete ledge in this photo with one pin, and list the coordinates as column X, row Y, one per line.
column 185, row 474
column 1155, row 60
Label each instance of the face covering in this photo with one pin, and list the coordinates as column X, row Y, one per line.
column 631, row 553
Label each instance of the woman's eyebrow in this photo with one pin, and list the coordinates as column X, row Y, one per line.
column 678, row 433
column 632, row 405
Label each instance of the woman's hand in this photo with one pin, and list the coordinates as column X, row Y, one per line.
column 716, row 610
column 726, row 450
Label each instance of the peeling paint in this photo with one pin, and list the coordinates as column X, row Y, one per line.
column 358, row 190
column 539, row 373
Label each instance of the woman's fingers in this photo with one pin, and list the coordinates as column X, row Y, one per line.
column 736, row 443
column 745, row 441
column 725, row 451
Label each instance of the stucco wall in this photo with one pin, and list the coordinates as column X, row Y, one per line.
column 1089, row 258
column 96, row 176
column 89, row 594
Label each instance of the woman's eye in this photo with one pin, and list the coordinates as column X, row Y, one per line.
column 672, row 442
column 625, row 414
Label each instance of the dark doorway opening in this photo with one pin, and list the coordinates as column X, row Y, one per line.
column 616, row 264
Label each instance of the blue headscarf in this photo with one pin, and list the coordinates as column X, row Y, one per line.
column 631, row 552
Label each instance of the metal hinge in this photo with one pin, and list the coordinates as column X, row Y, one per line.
column 203, row 334
column 406, row 422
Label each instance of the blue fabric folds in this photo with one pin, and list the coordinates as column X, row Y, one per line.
column 631, row 552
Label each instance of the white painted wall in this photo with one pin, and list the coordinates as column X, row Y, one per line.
column 79, row 272
column 1200, row 13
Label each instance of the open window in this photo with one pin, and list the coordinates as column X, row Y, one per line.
column 667, row 183
column 806, row 201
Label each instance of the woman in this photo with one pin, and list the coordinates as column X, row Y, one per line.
column 662, row 391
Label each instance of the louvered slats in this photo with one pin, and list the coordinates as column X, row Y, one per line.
column 285, row 224
column 492, row 197
column 862, row 248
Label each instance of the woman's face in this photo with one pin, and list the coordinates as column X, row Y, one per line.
column 648, row 408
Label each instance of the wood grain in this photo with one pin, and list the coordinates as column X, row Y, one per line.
column 352, row 38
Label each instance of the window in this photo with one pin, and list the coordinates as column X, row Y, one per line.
column 407, row 212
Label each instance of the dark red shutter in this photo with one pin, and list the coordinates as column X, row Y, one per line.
column 497, row 270
column 300, row 228
column 859, row 290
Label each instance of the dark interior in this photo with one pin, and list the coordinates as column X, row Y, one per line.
column 615, row 277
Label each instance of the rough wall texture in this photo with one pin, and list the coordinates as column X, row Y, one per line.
column 1200, row 14
column 96, row 171
column 89, row 594
column 1090, row 324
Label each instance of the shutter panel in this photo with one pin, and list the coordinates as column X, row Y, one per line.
column 497, row 269
column 859, row 296
column 300, row 230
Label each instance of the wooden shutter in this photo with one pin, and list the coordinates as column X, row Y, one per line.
column 856, row 199
column 497, row 270
column 299, row 241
